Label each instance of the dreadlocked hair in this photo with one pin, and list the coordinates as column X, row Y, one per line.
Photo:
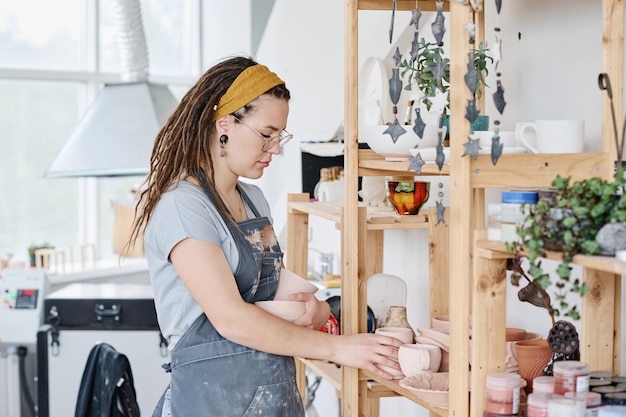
column 182, row 146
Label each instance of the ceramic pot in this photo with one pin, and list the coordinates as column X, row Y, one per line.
column 408, row 197
column 532, row 357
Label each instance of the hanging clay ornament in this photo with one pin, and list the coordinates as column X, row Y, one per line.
column 441, row 209
column 397, row 56
column 471, row 77
column 439, row 70
column 393, row 18
column 415, row 17
column 440, row 158
column 498, row 97
column 419, row 125
column 471, row 112
column 472, row 146
column 438, row 26
column 394, row 130
column 416, row 163
column 498, row 5
column 414, row 46
column 439, row 101
column 395, row 86
column 496, row 147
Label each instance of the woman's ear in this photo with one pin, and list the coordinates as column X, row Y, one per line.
column 222, row 125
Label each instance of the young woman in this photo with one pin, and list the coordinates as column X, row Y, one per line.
column 212, row 253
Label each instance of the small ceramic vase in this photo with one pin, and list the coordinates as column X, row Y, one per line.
column 397, row 318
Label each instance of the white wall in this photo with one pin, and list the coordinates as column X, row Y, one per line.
column 548, row 71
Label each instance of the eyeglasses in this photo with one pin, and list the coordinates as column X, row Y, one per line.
column 270, row 141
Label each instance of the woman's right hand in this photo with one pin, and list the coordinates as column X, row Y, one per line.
column 366, row 351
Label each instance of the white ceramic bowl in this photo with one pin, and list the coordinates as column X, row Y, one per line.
column 290, row 283
column 383, row 144
column 287, row 310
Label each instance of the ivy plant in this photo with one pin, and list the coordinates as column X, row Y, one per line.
column 421, row 71
column 567, row 222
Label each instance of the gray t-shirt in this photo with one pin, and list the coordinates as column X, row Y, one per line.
column 186, row 212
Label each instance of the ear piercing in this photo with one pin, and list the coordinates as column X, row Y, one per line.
column 223, row 140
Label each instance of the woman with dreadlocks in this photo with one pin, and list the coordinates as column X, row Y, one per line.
column 212, row 253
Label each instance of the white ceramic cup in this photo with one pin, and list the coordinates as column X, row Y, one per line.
column 417, row 358
column 553, row 136
column 507, row 138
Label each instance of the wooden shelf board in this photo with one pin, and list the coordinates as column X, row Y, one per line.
column 394, row 385
column 425, row 5
column 599, row 263
column 332, row 374
column 378, row 218
column 379, row 167
column 535, row 170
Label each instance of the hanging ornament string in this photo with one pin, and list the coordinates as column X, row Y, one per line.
column 498, row 95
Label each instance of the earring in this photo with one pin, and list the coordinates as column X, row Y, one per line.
column 223, row 141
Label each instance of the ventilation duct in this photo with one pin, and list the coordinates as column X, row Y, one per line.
column 116, row 134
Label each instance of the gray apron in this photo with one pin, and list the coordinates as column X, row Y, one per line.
column 214, row 377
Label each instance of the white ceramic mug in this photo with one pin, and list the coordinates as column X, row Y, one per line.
column 417, row 358
column 553, row 136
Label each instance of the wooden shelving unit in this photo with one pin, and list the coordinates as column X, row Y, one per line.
column 473, row 283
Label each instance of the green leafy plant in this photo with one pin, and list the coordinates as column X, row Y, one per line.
column 421, row 71
column 567, row 222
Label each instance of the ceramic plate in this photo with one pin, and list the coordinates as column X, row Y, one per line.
column 374, row 92
column 383, row 291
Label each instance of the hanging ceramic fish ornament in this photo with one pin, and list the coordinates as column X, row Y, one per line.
column 415, row 17
column 438, row 26
column 471, row 77
column 440, row 158
column 394, row 129
column 471, row 111
column 419, row 125
column 496, row 146
column 393, row 18
column 441, row 210
column 498, row 97
column 397, row 56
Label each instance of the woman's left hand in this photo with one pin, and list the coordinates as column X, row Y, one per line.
column 316, row 312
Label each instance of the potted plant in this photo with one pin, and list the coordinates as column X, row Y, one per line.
column 421, row 72
column 566, row 221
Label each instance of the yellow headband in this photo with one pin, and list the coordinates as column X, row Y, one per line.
column 253, row 82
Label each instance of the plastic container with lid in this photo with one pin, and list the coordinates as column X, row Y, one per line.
column 570, row 376
column 543, row 384
column 516, row 205
column 593, row 400
column 538, row 403
column 566, row 407
column 614, row 398
column 612, row 411
column 503, row 391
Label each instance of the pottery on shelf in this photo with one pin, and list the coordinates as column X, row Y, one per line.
column 532, row 357
column 404, row 334
column 418, row 358
column 407, row 196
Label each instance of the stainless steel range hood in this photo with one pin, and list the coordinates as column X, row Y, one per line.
column 116, row 135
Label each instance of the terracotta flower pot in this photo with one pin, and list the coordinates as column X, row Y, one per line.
column 532, row 357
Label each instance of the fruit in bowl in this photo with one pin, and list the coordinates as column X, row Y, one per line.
column 383, row 144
